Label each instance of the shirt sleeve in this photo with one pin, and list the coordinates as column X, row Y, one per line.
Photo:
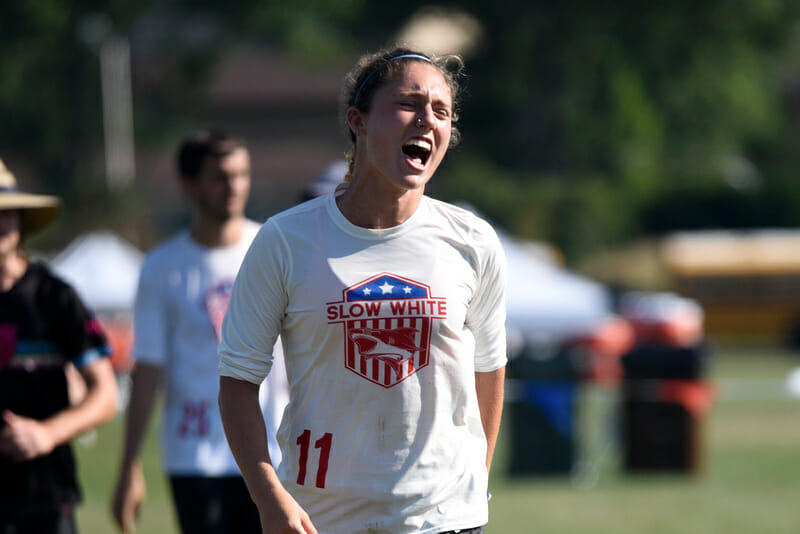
column 150, row 314
column 80, row 334
column 257, row 308
column 486, row 316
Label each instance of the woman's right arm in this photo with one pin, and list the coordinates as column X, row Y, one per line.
column 247, row 437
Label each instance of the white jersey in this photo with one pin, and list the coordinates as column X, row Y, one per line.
column 183, row 294
column 383, row 331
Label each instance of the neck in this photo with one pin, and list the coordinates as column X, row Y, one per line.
column 12, row 268
column 214, row 234
column 365, row 204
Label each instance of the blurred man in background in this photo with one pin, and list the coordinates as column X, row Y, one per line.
column 44, row 328
column 183, row 294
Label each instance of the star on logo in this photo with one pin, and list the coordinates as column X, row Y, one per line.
column 407, row 290
column 367, row 291
column 386, row 288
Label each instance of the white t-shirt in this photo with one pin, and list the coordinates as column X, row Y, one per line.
column 183, row 294
column 383, row 331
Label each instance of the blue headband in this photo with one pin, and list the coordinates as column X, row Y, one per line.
column 404, row 56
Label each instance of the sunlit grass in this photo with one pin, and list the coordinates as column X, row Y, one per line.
column 748, row 482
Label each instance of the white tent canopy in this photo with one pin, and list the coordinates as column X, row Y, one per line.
column 545, row 302
column 103, row 268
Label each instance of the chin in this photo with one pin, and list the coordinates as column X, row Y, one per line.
column 416, row 178
column 413, row 182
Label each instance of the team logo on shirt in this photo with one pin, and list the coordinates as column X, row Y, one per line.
column 216, row 302
column 387, row 321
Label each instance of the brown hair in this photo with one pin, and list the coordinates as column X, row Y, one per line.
column 373, row 71
column 195, row 149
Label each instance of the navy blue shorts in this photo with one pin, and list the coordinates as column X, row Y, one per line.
column 62, row 522
column 218, row 505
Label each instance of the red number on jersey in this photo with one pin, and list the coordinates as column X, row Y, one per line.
column 194, row 421
column 324, row 445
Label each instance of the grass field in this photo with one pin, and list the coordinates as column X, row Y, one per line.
column 749, row 482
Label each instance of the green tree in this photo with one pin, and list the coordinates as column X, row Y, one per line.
column 585, row 123
column 633, row 102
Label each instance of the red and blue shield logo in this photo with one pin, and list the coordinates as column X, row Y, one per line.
column 387, row 321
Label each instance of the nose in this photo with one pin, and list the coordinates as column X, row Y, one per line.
column 235, row 182
column 230, row 180
column 425, row 117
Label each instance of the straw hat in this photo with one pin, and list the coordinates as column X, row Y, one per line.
column 36, row 211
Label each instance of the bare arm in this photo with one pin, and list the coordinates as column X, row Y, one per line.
column 247, row 437
column 489, row 387
column 130, row 489
column 24, row 438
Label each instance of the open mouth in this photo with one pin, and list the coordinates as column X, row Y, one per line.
column 418, row 151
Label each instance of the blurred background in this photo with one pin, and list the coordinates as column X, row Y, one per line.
column 638, row 158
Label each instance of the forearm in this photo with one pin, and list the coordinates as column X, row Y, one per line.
column 145, row 384
column 246, row 433
column 247, row 437
column 98, row 406
column 489, row 387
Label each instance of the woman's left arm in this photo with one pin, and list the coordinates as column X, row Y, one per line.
column 489, row 387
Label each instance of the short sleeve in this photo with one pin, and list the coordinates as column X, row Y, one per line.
column 257, row 308
column 486, row 316
column 150, row 315
column 80, row 335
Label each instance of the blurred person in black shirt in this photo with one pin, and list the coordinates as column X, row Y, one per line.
column 44, row 327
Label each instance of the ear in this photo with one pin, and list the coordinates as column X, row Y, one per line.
column 356, row 120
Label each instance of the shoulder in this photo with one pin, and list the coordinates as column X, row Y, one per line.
column 295, row 220
column 167, row 253
column 300, row 212
column 463, row 222
column 48, row 287
column 40, row 274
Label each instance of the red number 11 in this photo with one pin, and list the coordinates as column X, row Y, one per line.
column 324, row 445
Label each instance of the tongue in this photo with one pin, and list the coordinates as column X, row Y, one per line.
column 415, row 155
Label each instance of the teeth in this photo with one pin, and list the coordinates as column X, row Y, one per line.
column 421, row 143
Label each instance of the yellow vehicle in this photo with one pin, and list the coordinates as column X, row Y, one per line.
column 748, row 282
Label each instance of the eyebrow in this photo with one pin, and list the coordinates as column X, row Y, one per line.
column 419, row 93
